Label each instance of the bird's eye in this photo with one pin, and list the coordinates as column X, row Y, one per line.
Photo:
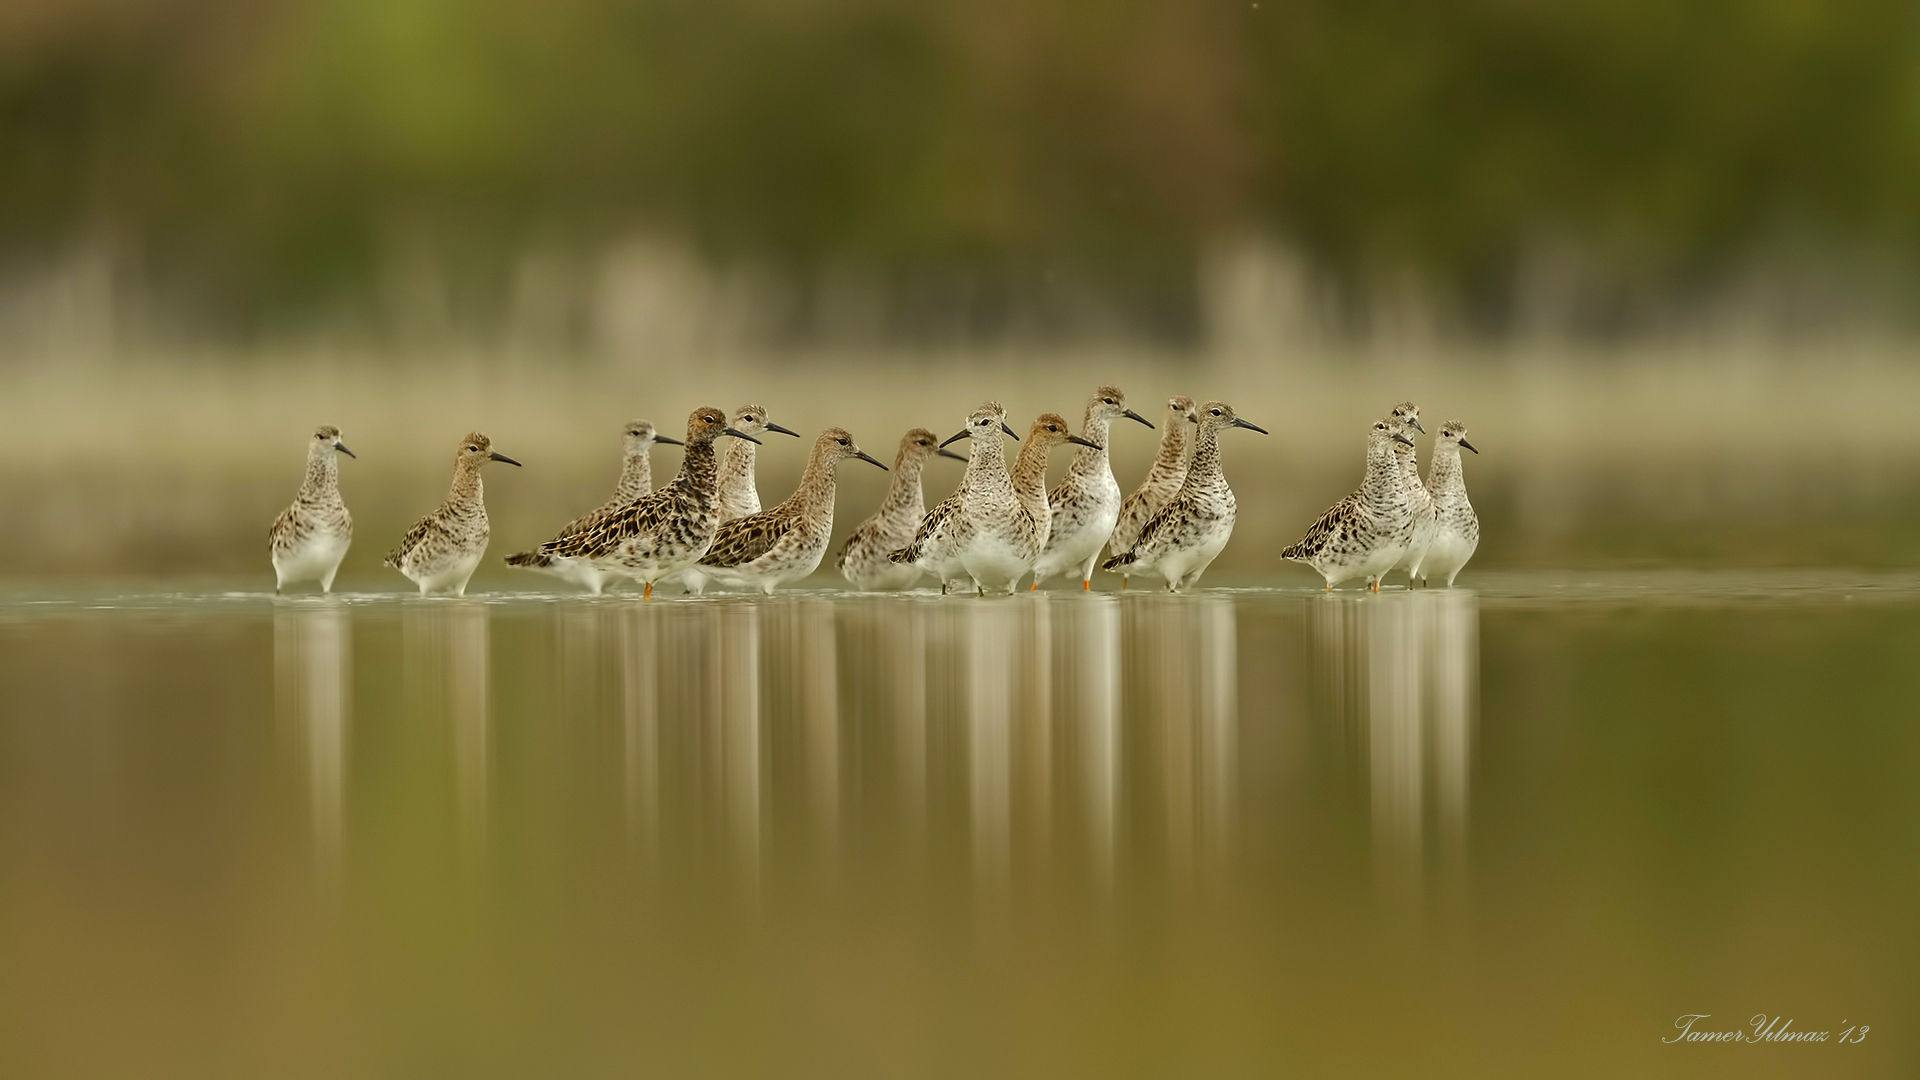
column 1216, row 412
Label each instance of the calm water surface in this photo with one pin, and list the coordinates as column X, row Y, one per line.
column 1517, row 831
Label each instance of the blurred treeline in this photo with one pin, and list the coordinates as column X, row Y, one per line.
column 243, row 169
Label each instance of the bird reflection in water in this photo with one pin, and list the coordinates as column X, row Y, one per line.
column 313, row 691
column 446, row 658
column 1402, row 671
column 988, row 739
column 1182, row 671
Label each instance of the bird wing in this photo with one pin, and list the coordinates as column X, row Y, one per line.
column 1322, row 531
column 589, row 519
column 283, row 526
column 1160, row 524
column 421, row 528
column 743, row 540
column 858, row 540
column 932, row 527
column 645, row 516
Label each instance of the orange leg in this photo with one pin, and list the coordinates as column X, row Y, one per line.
column 1086, row 585
column 1376, row 585
column 1123, row 583
column 1035, row 587
column 649, row 593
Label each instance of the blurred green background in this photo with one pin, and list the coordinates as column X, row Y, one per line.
column 981, row 169
column 1661, row 258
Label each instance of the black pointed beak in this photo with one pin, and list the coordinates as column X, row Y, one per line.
column 963, row 433
column 864, row 456
column 741, row 435
column 783, row 431
column 1415, row 421
column 503, row 457
column 944, row 452
column 669, row 442
column 1397, row 437
column 1008, row 430
column 342, row 447
column 1237, row 422
column 1131, row 415
column 1085, row 442
column 1468, row 445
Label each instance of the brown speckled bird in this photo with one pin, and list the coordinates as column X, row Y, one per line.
column 442, row 550
column 309, row 538
column 863, row 558
column 768, row 549
column 636, row 479
column 662, row 533
column 1189, row 532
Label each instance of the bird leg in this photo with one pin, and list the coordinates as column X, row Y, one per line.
column 649, row 592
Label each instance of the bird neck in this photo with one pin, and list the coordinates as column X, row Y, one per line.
column 736, row 467
column 1383, row 468
column 904, row 497
column 1444, row 473
column 1096, row 429
column 699, row 470
column 1030, row 476
column 467, row 490
column 814, row 497
column 636, row 477
column 986, row 463
column 323, row 474
column 1171, row 462
column 1205, row 466
column 1407, row 460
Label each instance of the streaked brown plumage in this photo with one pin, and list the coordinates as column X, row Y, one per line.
column 662, row 533
column 636, row 480
column 442, row 550
column 768, row 549
column 310, row 538
column 863, row 559
column 1190, row 531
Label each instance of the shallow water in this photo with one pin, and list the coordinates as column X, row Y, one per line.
column 1518, row 830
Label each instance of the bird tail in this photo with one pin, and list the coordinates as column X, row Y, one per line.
column 1125, row 558
column 392, row 559
column 908, row 555
column 532, row 560
column 1297, row 552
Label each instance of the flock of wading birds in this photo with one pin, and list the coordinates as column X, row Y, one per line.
column 706, row 525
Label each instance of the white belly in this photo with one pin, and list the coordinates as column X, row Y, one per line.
column 1375, row 564
column 886, row 577
column 994, row 566
column 450, row 578
column 1072, row 552
column 579, row 572
column 1182, row 567
column 311, row 561
column 1445, row 556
